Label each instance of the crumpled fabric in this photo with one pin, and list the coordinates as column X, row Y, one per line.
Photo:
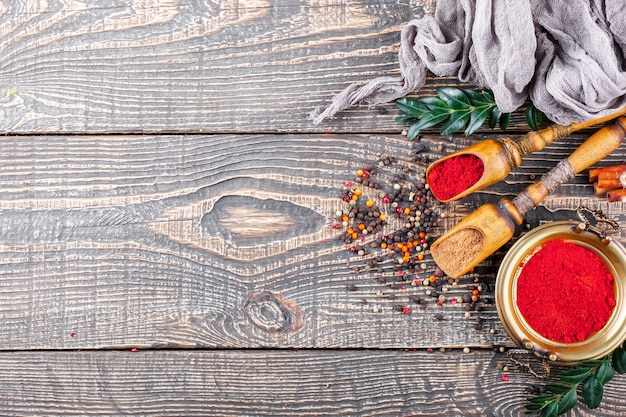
column 567, row 56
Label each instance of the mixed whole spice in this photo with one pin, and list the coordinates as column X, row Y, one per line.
column 389, row 219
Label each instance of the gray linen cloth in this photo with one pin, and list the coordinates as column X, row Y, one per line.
column 567, row 56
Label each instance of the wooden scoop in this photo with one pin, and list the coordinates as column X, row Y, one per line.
column 484, row 231
column 500, row 156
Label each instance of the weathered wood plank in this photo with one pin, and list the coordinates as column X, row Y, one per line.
column 189, row 65
column 193, row 66
column 269, row 383
column 133, row 241
column 213, row 241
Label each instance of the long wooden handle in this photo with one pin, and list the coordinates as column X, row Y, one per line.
column 536, row 141
column 598, row 146
column 481, row 233
column 595, row 148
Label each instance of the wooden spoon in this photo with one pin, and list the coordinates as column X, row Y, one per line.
column 500, row 156
column 484, row 231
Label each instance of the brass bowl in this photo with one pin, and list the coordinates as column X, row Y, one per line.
column 598, row 344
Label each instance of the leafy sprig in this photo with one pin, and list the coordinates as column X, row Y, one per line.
column 534, row 117
column 457, row 109
column 589, row 377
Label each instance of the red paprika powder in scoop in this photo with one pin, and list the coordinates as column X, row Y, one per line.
column 453, row 175
column 565, row 291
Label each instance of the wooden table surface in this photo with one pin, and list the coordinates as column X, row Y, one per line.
column 166, row 219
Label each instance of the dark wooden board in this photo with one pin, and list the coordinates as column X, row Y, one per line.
column 196, row 66
column 215, row 241
column 270, row 383
column 162, row 188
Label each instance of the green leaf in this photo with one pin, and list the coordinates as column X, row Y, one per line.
column 477, row 119
column 533, row 408
column 441, row 111
column 472, row 94
column 619, row 360
column 429, row 120
column 590, row 363
column 454, row 98
column 558, row 388
column 567, row 402
column 551, row 410
column 412, row 132
column 592, row 391
column 411, row 106
column 542, row 399
column 488, row 97
column 434, row 103
column 456, row 122
column 532, row 117
column 494, row 117
column 575, row 376
column 477, row 99
column 605, row 372
column 504, row 120
column 407, row 119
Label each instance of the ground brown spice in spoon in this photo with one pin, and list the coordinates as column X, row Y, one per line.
column 463, row 245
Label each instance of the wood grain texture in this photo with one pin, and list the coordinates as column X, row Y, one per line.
column 216, row 231
column 270, row 383
column 195, row 66
column 127, row 241
column 136, row 240
column 191, row 65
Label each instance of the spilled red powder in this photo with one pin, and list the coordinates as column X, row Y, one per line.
column 565, row 291
column 452, row 176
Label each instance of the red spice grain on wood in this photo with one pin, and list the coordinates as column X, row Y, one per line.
column 454, row 175
column 565, row 291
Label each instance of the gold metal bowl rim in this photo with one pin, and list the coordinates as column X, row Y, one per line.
column 595, row 346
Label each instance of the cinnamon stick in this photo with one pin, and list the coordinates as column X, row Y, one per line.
column 617, row 195
column 610, row 183
column 613, row 171
column 612, row 175
column 601, row 191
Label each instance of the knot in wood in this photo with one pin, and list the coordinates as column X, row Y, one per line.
column 273, row 313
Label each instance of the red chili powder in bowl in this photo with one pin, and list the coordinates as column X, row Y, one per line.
column 565, row 291
column 452, row 176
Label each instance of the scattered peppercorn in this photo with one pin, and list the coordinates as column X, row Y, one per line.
column 478, row 324
column 389, row 219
